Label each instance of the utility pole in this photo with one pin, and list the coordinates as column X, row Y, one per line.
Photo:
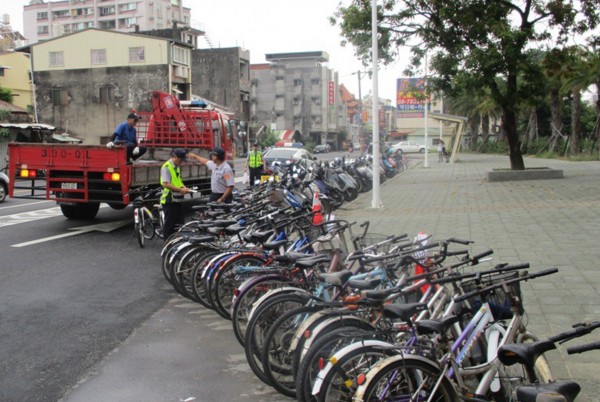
column 376, row 201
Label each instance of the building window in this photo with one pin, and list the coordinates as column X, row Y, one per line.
column 107, row 11
column 315, row 81
column 128, row 7
column 98, row 56
column 316, row 101
column 56, row 59
column 1, row 71
column 136, row 55
column 42, row 29
column 298, row 82
column 42, row 16
column 127, row 22
column 61, row 14
column 60, row 97
column 279, row 78
column 181, row 55
column 254, row 83
column 106, row 94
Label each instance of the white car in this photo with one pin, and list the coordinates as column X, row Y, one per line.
column 409, row 146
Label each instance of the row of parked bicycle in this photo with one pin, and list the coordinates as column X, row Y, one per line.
column 325, row 314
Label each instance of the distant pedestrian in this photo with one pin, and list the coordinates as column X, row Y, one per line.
column 441, row 150
column 256, row 164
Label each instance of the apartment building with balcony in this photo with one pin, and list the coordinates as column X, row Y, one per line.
column 45, row 20
column 297, row 91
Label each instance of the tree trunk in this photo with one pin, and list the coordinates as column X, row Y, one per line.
column 555, row 118
column 485, row 127
column 509, row 121
column 474, row 127
column 531, row 130
column 575, row 121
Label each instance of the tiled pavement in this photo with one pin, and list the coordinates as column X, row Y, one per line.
column 548, row 223
column 186, row 351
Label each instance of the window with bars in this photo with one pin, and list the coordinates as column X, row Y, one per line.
column 106, row 94
column 42, row 29
column 136, row 55
column 60, row 97
column 181, row 55
column 56, row 59
column 98, row 56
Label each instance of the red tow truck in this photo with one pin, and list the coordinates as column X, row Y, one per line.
column 80, row 177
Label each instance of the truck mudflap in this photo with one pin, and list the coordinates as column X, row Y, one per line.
column 69, row 174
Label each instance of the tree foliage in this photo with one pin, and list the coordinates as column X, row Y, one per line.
column 477, row 46
column 6, row 95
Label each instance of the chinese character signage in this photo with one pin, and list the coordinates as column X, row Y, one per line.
column 410, row 97
column 331, row 92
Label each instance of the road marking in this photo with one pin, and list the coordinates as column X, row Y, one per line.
column 100, row 227
column 22, row 205
column 25, row 217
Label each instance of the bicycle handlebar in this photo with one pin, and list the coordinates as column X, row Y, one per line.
column 487, row 289
column 497, row 270
column 577, row 331
column 583, row 348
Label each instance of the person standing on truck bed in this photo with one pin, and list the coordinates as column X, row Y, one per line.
column 221, row 178
column 173, row 192
column 256, row 164
column 126, row 134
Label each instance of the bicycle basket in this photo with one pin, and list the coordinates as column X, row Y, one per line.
column 371, row 239
column 499, row 301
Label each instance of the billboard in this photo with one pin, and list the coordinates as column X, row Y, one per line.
column 410, row 97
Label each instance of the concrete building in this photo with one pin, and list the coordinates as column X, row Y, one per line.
column 15, row 74
column 87, row 82
column 44, row 20
column 297, row 91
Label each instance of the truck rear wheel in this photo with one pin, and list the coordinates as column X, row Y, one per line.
column 82, row 212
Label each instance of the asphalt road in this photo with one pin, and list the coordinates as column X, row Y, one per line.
column 70, row 293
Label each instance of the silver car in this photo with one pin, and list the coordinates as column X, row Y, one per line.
column 284, row 156
column 409, row 146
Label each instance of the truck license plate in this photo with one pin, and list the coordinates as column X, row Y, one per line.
column 69, row 186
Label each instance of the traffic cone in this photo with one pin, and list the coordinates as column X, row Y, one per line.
column 317, row 209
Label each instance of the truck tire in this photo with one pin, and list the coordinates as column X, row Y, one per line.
column 82, row 212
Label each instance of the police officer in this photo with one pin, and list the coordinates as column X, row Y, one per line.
column 126, row 134
column 173, row 192
column 256, row 163
column 221, row 178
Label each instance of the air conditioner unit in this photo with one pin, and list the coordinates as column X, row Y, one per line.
column 150, row 18
column 246, row 97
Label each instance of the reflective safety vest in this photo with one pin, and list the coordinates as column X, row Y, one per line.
column 167, row 195
column 255, row 159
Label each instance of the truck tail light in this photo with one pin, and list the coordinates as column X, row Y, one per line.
column 28, row 173
column 111, row 176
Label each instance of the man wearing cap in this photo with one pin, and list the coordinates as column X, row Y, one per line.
column 256, row 163
column 126, row 134
column 173, row 192
column 221, row 179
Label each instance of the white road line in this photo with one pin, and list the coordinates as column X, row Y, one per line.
column 22, row 205
column 25, row 217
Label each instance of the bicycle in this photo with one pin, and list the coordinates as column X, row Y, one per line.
column 147, row 222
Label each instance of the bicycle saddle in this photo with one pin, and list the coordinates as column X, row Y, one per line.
column 523, row 353
column 403, row 312
column 565, row 391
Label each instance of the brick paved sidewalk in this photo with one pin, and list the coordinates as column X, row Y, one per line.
column 548, row 223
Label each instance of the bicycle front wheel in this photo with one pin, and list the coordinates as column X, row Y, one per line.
column 406, row 379
column 147, row 226
column 139, row 227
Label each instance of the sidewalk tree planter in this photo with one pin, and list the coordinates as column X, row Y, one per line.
column 541, row 173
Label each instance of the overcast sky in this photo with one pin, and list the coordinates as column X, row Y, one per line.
column 270, row 26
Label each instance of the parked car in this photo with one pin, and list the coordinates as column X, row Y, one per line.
column 409, row 146
column 286, row 155
column 3, row 186
column 322, row 149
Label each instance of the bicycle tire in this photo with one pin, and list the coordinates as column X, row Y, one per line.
column 242, row 306
column 139, row 228
column 276, row 357
column 341, row 383
column 196, row 278
column 148, row 226
column 225, row 282
column 397, row 378
column 260, row 322
column 320, row 352
column 184, row 271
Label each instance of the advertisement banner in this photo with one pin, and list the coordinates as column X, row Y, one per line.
column 331, row 92
column 410, row 97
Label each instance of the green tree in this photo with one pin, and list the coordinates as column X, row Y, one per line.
column 6, row 95
column 485, row 40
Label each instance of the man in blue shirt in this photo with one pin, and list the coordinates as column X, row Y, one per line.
column 126, row 134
